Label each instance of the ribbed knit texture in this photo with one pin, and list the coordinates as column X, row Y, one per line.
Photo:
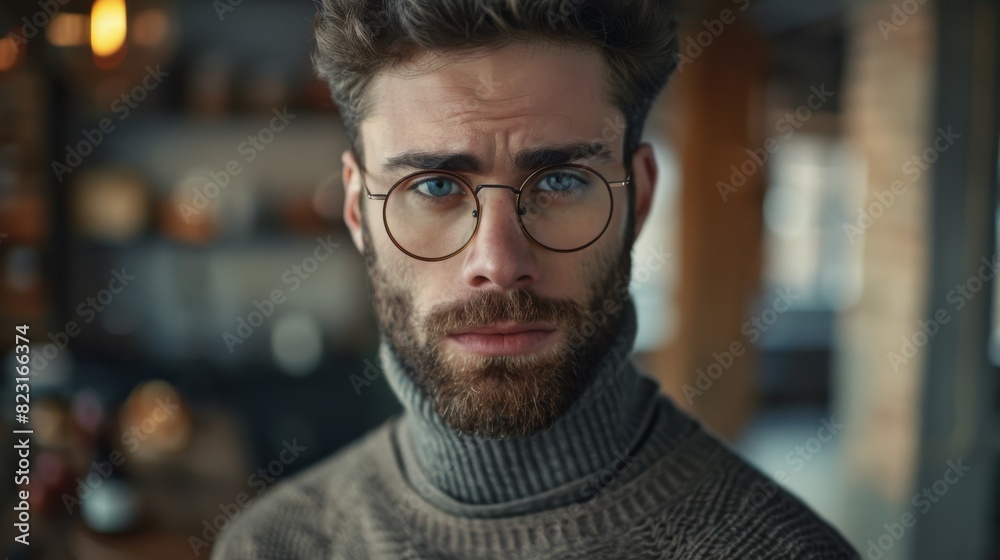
column 606, row 425
column 414, row 489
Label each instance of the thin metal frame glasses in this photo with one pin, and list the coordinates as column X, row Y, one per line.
column 522, row 210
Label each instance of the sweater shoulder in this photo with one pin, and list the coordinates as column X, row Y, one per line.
column 733, row 510
column 293, row 519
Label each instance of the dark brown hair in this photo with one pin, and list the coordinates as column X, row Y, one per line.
column 356, row 39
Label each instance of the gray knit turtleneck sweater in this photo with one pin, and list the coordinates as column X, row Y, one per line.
column 624, row 474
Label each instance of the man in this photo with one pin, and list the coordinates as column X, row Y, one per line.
column 495, row 185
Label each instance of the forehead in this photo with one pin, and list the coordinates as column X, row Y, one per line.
column 491, row 103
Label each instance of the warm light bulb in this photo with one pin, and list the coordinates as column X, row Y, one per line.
column 107, row 27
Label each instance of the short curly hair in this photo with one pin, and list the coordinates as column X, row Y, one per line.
column 357, row 39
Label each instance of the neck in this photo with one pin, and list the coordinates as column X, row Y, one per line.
column 601, row 429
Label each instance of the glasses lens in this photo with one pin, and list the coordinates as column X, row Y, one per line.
column 431, row 215
column 566, row 208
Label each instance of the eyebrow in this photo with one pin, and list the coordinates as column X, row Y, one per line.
column 527, row 160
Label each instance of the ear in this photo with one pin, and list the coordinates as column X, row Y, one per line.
column 644, row 181
column 352, row 198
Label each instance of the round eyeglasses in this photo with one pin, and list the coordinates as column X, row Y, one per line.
column 434, row 215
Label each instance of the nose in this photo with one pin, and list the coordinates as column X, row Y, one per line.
column 501, row 255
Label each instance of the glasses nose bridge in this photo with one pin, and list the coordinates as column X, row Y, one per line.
column 478, row 188
column 515, row 190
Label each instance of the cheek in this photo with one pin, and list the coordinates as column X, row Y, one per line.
column 615, row 237
column 428, row 284
column 619, row 219
column 377, row 241
column 571, row 276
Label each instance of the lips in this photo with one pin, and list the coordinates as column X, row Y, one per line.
column 504, row 339
column 506, row 328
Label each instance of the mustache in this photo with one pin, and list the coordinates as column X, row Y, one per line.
column 517, row 305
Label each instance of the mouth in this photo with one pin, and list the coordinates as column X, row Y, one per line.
column 504, row 339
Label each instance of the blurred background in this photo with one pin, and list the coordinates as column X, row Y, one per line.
column 816, row 283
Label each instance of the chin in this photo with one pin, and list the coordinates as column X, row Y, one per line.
column 504, row 396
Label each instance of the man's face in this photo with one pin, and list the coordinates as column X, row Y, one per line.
column 494, row 336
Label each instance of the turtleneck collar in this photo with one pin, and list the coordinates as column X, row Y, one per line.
column 604, row 428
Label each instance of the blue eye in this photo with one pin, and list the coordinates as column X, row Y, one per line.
column 560, row 181
column 437, row 187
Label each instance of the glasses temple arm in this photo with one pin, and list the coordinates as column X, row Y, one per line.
column 374, row 196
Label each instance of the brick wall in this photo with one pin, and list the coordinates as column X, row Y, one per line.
column 888, row 120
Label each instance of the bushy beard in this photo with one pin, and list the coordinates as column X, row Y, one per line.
column 502, row 396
